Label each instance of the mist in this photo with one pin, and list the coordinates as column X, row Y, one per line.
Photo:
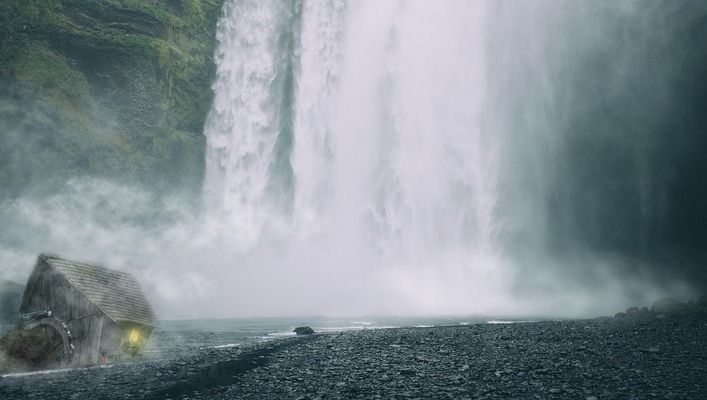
column 417, row 158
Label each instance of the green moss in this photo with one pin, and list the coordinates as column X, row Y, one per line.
column 112, row 88
column 51, row 73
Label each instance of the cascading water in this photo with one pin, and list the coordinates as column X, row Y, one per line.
column 398, row 154
column 414, row 157
column 383, row 105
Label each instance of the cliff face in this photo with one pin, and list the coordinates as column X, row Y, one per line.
column 107, row 88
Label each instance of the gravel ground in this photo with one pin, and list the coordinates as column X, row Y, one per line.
column 609, row 358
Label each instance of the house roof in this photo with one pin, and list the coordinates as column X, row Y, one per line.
column 116, row 293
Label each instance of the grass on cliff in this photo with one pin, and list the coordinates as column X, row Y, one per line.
column 110, row 88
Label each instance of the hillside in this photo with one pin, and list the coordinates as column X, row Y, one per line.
column 105, row 88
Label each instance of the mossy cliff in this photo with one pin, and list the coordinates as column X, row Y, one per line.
column 106, row 88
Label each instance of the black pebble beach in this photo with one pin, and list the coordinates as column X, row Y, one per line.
column 597, row 359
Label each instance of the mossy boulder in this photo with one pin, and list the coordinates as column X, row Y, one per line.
column 25, row 350
column 668, row 305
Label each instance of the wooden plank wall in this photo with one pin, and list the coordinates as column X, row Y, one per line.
column 49, row 290
column 110, row 340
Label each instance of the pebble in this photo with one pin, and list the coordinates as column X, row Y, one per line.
column 530, row 360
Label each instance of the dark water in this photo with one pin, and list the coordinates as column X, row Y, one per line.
column 177, row 337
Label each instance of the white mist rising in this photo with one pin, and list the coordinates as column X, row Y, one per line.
column 364, row 158
column 358, row 151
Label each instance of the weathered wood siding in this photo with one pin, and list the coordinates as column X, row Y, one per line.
column 111, row 340
column 49, row 290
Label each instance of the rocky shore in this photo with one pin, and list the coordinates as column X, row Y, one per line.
column 606, row 358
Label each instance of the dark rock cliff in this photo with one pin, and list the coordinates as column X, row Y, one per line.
column 105, row 88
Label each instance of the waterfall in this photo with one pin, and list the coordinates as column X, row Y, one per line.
column 412, row 148
column 387, row 135
column 355, row 125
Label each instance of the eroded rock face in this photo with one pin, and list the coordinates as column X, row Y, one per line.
column 104, row 88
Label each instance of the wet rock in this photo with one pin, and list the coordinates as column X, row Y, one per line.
column 702, row 303
column 632, row 312
column 303, row 330
column 29, row 350
column 668, row 305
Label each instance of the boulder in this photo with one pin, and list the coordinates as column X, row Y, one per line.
column 668, row 305
column 10, row 299
column 632, row 312
column 29, row 350
column 303, row 330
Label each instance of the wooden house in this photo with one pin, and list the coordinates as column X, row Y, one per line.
column 94, row 314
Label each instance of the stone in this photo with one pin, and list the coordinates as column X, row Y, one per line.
column 303, row 330
column 702, row 302
column 668, row 305
column 29, row 350
column 632, row 312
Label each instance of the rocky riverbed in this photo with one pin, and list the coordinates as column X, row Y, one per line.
column 605, row 358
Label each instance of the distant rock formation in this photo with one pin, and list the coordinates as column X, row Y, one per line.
column 668, row 305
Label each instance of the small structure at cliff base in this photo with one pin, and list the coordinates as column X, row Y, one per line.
column 93, row 314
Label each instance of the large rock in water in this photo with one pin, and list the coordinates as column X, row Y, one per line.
column 303, row 330
column 10, row 299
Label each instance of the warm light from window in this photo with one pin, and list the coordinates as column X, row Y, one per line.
column 134, row 336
